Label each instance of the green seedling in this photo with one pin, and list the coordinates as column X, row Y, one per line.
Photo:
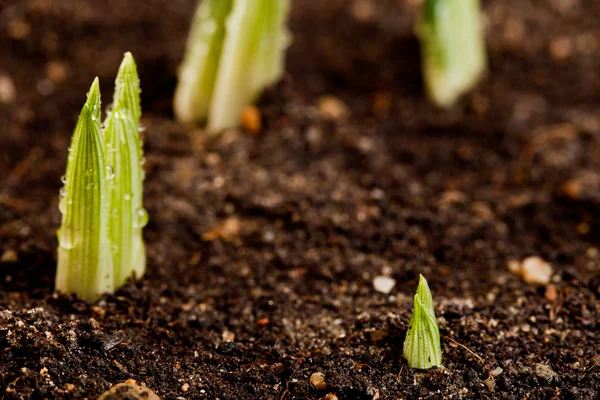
column 124, row 158
column 422, row 347
column 100, row 239
column 236, row 48
column 84, row 251
column 452, row 47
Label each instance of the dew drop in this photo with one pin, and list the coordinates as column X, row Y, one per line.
column 142, row 217
column 63, row 179
column 63, row 192
column 66, row 241
column 62, row 206
column 141, row 128
column 110, row 172
column 127, row 196
column 70, row 149
column 209, row 27
column 143, row 161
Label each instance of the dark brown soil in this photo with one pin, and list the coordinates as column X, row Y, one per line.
column 262, row 249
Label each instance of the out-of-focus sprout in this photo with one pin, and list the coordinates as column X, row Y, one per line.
column 453, row 48
column 422, row 348
column 236, row 49
column 198, row 72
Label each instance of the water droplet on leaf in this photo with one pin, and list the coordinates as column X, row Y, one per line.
column 142, row 218
column 110, row 172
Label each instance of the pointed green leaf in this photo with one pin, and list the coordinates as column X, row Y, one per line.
column 198, row 71
column 84, row 262
column 252, row 58
column 124, row 158
column 422, row 347
column 127, row 88
column 453, row 48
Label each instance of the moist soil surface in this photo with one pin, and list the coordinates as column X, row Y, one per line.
column 263, row 248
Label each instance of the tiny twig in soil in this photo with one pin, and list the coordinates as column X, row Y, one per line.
column 556, row 306
column 481, row 360
column 286, row 389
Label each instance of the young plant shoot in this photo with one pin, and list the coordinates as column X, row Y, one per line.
column 422, row 347
column 100, row 239
column 125, row 175
column 236, row 49
column 452, row 47
column 84, row 251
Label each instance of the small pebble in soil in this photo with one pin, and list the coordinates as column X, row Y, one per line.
column 383, row 284
column 317, row 379
column 560, row 48
column 544, row 371
column 129, row 390
column 533, row 270
column 333, row 108
column 9, row 256
column 228, row 336
column 251, row 120
column 330, row 396
column 226, row 230
column 18, row 29
column 551, row 292
column 490, row 384
column 7, row 90
column 57, row 71
column 363, row 10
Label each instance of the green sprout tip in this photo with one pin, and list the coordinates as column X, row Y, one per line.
column 422, row 347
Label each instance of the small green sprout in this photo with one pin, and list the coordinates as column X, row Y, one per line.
column 422, row 347
column 453, row 48
column 84, row 251
column 236, row 48
column 100, row 239
column 124, row 159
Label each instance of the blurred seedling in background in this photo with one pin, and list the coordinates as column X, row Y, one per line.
column 452, row 48
column 236, row 49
